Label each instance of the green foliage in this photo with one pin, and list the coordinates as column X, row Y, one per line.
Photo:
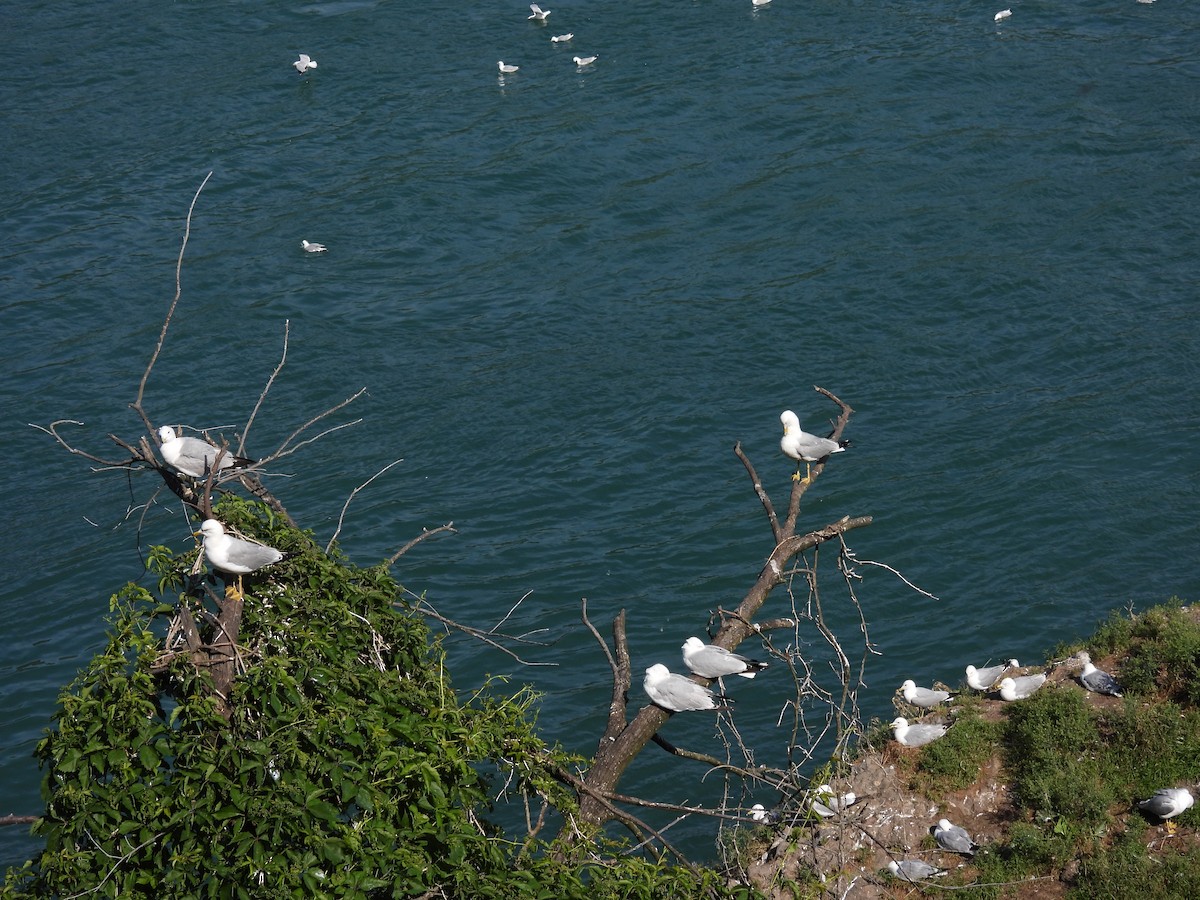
column 953, row 762
column 349, row 767
column 1125, row 870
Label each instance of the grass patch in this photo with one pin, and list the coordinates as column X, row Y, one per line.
column 953, row 762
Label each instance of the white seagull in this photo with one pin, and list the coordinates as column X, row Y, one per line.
column 1168, row 803
column 761, row 2
column 1003, row 14
column 1020, row 688
column 539, row 14
column 506, row 70
column 914, row 869
column 916, row 735
column 954, row 838
column 304, row 63
column 923, row 697
column 760, row 813
column 677, row 693
column 313, row 247
column 195, row 457
column 711, row 661
column 233, row 555
column 804, row 447
column 1097, row 680
column 827, row 804
column 983, row 679
column 561, row 38
column 585, row 60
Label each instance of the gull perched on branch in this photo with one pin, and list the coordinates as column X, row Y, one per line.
column 304, row 63
column 923, row 697
column 676, row 692
column 539, row 14
column 233, row 555
column 1097, row 680
column 983, row 679
column 804, row 447
column 196, row 457
column 711, row 661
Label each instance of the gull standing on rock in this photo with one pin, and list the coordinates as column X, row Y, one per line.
column 539, row 14
column 804, row 447
column 916, row 735
column 922, row 697
column 710, row 661
column 914, row 869
column 953, row 838
column 677, row 693
column 1020, row 688
column 195, row 457
column 304, row 63
column 1097, row 680
column 983, row 679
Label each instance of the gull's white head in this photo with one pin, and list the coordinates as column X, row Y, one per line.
column 790, row 421
column 166, row 433
column 944, row 824
column 657, row 672
column 212, row 528
column 693, row 644
column 899, row 722
column 908, row 685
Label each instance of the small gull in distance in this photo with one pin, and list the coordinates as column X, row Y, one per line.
column 954, row 838
column 983, row 679
column 561, row 38
column 1097, row 680
column 802, row 446
column 710, row 661
column 677, row 693
column 922, row 697
column 313, row 247
column 916, row 735
column 761, row 2
column 913, row 869
column 582, row 61
column 1020, row 688
column 1002, row 15
column 195, row 457
column 304, row 63
column 506, row 70
column 539, row 14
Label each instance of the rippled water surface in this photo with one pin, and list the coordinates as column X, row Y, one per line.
column 570, row 292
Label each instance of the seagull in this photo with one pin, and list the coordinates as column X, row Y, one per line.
column 827, row 804
column 914, row 869
column 711, row 661
column 1003, row 14
column 923, row 697
column 195, row 457
column 561, row 38
column 983, row 679
column 916, row 735
column 1021, row 687
column 313, row 247
column 233, row 555
column 1168, row 803
column 1097, row 680
column 677, row 693
column 761, row 2
column 304, row 63
column 953, row 838
column 506, row 70
column 585, row 60
column 538, row 13
column 760, row 813
column 804, row 447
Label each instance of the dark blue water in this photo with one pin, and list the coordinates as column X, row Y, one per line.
column 569, row 293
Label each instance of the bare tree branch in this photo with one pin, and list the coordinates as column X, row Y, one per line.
column 287, row 330
column 425, row 533
column 353, row 494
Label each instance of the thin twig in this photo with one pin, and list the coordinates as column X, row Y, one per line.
column 287, row 328
column 353, row 494
column 425, row 533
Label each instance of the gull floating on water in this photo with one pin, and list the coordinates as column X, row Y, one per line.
column 983, row 679
column 560, row 38
column 1003, row 14
column 1097, row 680
column 916, row 735
column 585, row 60
column 804, row 447
column 761, row 2
column 1168, row 803
column 953, row 838
column 538, row 13
column 827, row 804
column 304, row 63
column 233, row 555
column 677, row 693
column 913, row 869
column 313, row 247
column 506, row 70
column 195, row 457
column 711, row 661
column 1020, row 688
column 922, row 697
